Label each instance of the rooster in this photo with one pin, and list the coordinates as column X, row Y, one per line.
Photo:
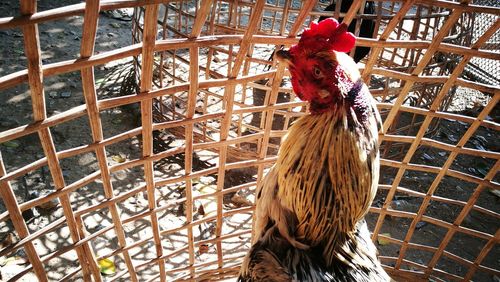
column 309, row 218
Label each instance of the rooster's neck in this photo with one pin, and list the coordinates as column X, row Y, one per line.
column 353, row 101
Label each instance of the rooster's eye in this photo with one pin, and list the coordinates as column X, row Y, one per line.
column 317, row 72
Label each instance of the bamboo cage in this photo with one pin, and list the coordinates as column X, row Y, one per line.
column 170, row 197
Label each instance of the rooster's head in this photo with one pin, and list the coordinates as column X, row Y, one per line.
column 321, row 72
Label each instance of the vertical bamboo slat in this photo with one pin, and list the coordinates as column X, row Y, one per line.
column 149, row 37
column 12, row 207
column 226, row 121
column 193, row 92
column 88, row 82
column 35, row 76
column 89, row 252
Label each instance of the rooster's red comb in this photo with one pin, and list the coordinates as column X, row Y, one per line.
column 326, row 35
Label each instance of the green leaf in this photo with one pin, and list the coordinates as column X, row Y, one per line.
column 483, row 172
column 482, row 168
column 100, row 81
column 208, row 189
column 495, row 192
column 15, row 260
column 107, row 266
column 118, row 159
column 382, row 241
column 11, row 144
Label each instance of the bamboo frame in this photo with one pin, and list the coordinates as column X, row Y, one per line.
column 234, row 31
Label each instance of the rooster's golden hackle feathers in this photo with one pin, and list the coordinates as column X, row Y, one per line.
column 310, row 208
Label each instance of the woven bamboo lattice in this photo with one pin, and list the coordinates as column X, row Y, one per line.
column 211, row 108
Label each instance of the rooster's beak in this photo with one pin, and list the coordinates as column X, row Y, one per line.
column 284, row 56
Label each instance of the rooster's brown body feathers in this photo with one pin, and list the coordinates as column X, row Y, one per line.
column 310, row 209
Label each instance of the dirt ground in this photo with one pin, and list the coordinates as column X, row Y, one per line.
column 60, row 40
